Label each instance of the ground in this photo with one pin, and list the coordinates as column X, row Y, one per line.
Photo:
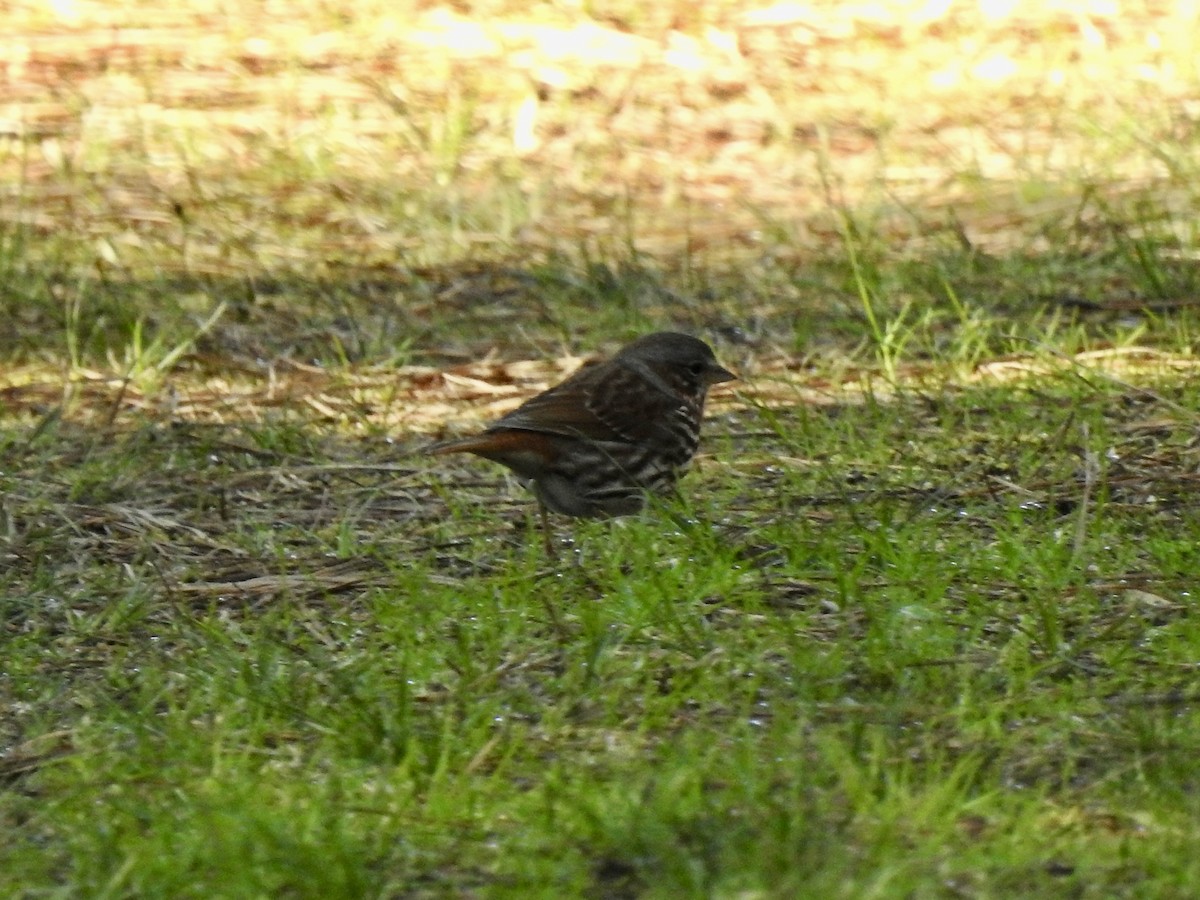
column 919, row 624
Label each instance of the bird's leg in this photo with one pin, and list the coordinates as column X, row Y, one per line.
column 551, row 611
column 547, row 531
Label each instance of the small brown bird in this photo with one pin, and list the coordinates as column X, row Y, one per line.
column 610, row 434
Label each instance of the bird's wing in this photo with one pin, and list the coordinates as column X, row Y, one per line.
column 563, row 410
column 600, row 403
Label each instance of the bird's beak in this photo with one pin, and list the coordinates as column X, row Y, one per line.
column 716, row 374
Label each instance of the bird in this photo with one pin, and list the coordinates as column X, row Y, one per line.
column 599, row 443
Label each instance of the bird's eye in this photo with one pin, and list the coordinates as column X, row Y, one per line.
column 697, row 369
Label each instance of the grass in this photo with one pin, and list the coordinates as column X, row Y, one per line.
column 895, row 652
column 921, row 624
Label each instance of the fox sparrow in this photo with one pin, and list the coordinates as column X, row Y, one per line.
column 596, row 444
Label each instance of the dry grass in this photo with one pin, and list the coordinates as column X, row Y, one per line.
column 421, row 134
column 412, row 401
